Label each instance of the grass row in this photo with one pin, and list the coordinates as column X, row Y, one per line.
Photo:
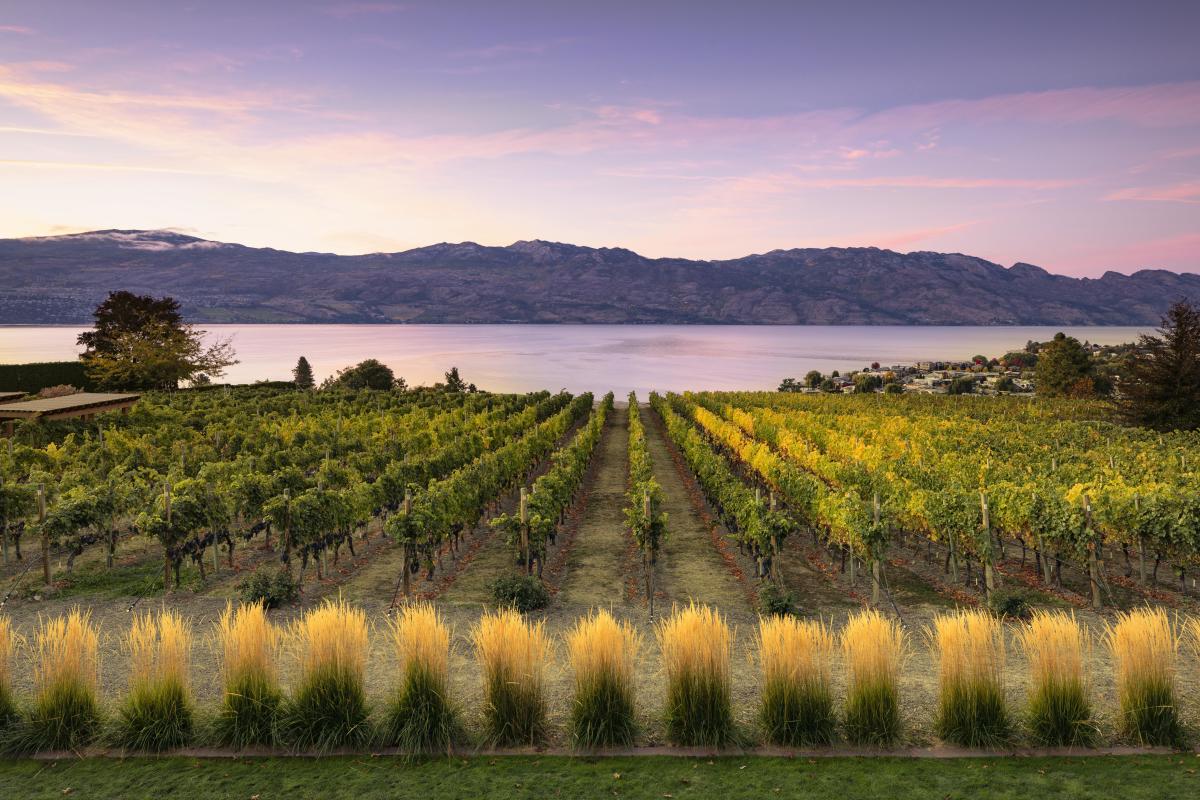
column 328, row 708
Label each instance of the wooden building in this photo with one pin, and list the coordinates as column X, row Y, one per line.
column 85, row 405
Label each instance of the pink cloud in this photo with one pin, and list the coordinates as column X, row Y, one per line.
column 21, row 29
column 1175, row 193
column 346, row 10
column 901, row 239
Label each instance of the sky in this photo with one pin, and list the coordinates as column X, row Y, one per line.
column 1062, row 134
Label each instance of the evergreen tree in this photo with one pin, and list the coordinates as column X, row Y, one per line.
column 1064, row 369
column 1162, row 390
column 302, row 375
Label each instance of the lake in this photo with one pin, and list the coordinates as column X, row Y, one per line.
column 584, row 357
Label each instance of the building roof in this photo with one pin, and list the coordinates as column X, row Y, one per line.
column 67, row 404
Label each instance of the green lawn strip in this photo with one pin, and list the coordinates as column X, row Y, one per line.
column 500, row 777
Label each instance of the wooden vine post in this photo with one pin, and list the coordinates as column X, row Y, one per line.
column 1141, row 544
column 1094, row 561
column 167, row 550
column 407, row 548
column 648, row 556
column 989, row 569
column 776, row 574
column 876, row 559
column 524, row 514
column 41, row 501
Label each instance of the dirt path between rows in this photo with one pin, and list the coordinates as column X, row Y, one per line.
column 691, row 567
column 597, row 564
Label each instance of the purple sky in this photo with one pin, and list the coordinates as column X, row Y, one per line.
column 1063, row 134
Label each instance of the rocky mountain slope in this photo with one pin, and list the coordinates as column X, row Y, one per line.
column 60, row 279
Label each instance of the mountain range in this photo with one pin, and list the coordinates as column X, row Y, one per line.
column 60, row 279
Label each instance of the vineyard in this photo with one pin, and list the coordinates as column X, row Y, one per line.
column 707, row 569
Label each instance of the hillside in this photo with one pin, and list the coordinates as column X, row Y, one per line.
column 58, row 280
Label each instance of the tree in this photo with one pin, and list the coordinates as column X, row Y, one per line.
column 865, row 383
column 368, row 374
column 302, row 375
column 1162, row 390
column 455, row 383
column 789, row 385
column 1062, row 367
column 813, row 379
column 893, row 388
column 961, row 385
column 142, row 342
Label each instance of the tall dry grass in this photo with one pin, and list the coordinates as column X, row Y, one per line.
column 696, row 642
column 603, row 652
column 65, row 713
column 251, row 699
column 1144, row 649
column 328, row 708
column 874, row 649
column 421, row 718
column 796, row 706
column 512, row 656
column 8, row 648
column 969, row 645
column 1060, row 711
column 157, row 714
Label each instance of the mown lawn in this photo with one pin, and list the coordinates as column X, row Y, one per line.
column 497, row 778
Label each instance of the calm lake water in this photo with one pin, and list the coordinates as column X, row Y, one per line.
column 584, row 357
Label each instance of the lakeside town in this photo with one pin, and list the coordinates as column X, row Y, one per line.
column 1068, row 367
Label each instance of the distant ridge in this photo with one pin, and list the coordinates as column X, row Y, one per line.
column 59, row 280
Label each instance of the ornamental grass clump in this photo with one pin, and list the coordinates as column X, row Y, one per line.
column 65, row 713
column 250, row 704
column 1060, row 712
column 420, row 717
column 1143, row 647
column 969, row 645
column 695, row 643
column 328, row 708
column 512, row 657
column 874, row 650
column 602, row 652
column 8, row 646
column 157, row 714
column 797, row 703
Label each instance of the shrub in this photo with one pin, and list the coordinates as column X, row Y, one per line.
column 1059, row 710
column 65, row 713
column 268, row 586
column 1143, row 647
column 61, row 390
column 157, row 714
column 522, row 592
column 602, row 653
column 421, row 718
column 695, row 643
column 970, row 651
column 774, row 600
column 874, row 649
column 1010, row 604
column 251, row 700
column 8, row 645
column 512, row 657
column 328, row 708
column 797, row 702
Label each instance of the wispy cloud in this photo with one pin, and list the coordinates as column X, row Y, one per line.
column 1188, row 192
column 19, row 29
column 506, row 49
column 900, row 239
column 346, row 10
